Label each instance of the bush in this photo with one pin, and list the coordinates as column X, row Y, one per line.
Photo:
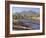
column 17, row 23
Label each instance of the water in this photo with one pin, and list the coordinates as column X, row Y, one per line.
column 34, row 25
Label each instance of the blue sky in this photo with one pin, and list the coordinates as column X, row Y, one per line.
column 20, row 9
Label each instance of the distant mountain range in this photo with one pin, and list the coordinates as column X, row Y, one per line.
column 27, row 13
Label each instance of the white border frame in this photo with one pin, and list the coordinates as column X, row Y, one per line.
column 26, row 31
